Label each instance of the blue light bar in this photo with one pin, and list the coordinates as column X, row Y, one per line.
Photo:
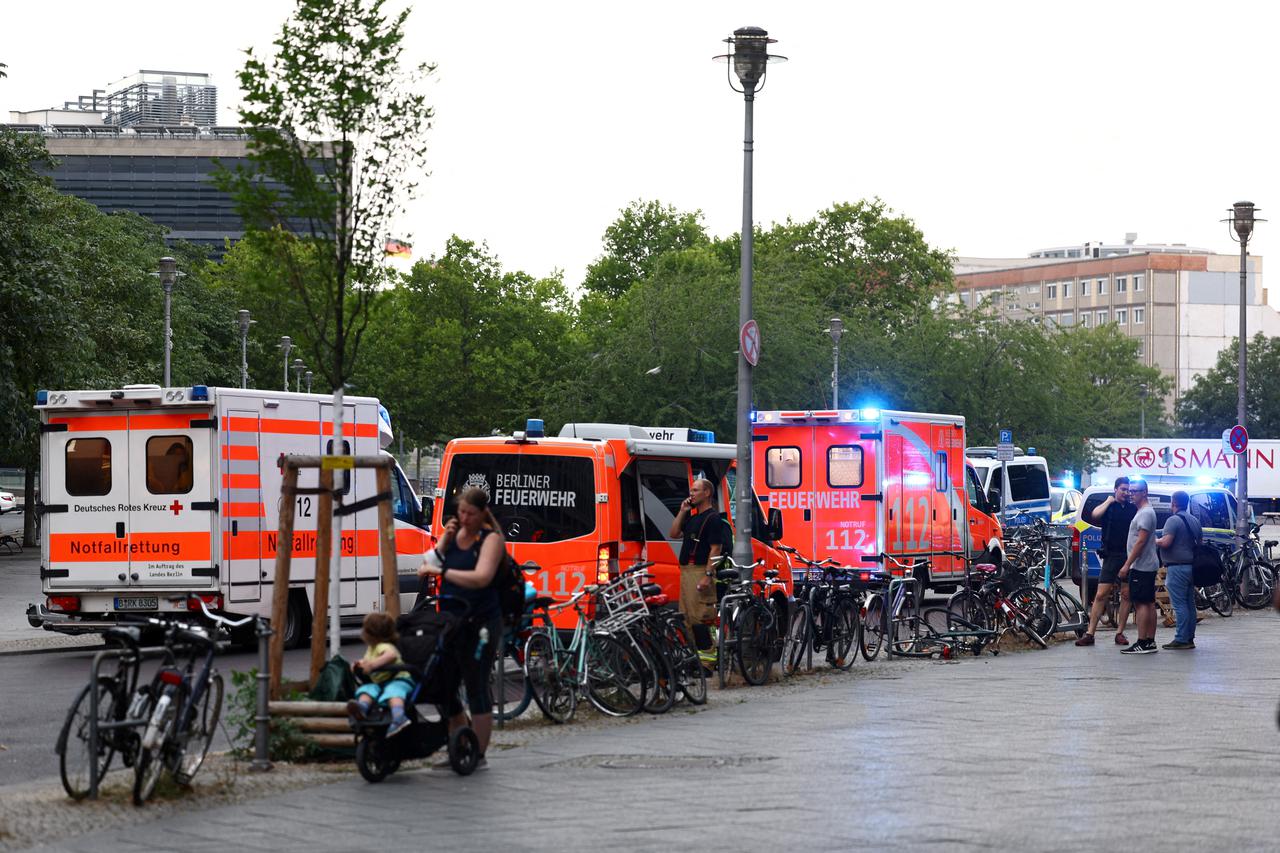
column 42, row 397
column 703, row 436
column 534, row 428
column 199, row 392
column 870, row 414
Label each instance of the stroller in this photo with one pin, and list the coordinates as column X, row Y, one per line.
column 431, row 643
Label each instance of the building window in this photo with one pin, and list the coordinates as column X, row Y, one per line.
column 1122, row 284
column 1066, row 290
column 1142, row 348
column 1032, row 305
column 1084, row 287
column 1139, row 316
column 1137, row 284
column 1102, row 317
column 1122, row 317
column 1033, row 288
column 1084, row 319
column 1051, row 291
column 1102, row 287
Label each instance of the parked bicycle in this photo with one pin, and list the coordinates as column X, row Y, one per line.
column 985, row 603
column 826, row 616
column 893, row 614
column 749, row 626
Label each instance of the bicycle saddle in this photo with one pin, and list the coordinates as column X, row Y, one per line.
column 650, row 589
column 542, row 601
column 985, row 569
column 771, row 573
column 1270, row 543
column 728, row 574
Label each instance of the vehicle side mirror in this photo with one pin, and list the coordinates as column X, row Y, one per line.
column 428, row 510
column 774, row 525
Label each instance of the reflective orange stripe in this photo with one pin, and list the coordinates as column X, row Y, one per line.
column 240, row 451
column 241, row 424
column 362, row 430
column 411, row 541
column 91, row 423
column 241, row 481
column 161, row 421
column 184, row 546
column 232, row 509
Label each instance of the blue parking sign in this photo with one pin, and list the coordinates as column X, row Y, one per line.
column 1006, row 436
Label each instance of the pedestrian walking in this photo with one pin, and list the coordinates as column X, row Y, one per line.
column 1140, row 569
column 706, row 536
column 1177, row 551
column 1114, row 516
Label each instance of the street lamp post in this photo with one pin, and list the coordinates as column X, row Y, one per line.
column 168, row 275
column 245, row 322
column 749, row 60
column 298, row 367
column 306, row 377
column 286, row 346
column 836, row 331
column 1242, row 221
column 1142, row 413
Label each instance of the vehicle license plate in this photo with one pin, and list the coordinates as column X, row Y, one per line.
column 137, row 602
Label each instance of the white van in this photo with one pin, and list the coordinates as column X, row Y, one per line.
column 150, row 493
column 1026, row 483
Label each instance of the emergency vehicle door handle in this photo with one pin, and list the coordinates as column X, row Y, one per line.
column 235, row 527
column 120, row 576
column 133, row 576
column 120, row 532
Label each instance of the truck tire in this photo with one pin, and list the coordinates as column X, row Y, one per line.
column 297, row 623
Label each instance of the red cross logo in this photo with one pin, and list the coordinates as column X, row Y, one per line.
column 175, row 506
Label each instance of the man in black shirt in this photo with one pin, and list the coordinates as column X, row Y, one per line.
column 706, row 536
column 1113, row 515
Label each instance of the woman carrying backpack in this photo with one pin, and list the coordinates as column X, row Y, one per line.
column 466, row 561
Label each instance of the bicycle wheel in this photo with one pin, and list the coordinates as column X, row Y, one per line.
column 617, row 677
column 691, row 675
column 1253, row 590
column 871, row 639
column 200, row 730
column 969, row 606
column 662, row 677
column 725, row 645
column 754, row 639
column 554, row 692
column 845, row 627
column 509, row 687
column 1069, row 610
column 1221, row 598
column 151, row 760
column 1038, row 609
column 74, row 761
column 796, row 642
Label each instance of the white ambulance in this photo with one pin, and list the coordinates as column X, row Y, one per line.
column 148, row 493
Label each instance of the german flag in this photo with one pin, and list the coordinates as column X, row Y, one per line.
column 398, row 249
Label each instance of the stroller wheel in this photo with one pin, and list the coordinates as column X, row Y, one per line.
column 373, row 758
column 464, row 751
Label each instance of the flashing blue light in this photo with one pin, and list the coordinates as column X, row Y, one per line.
column 1206, row 480
column 534, row 428
column 1031, row 451
column 199, row 392
column 42, row 397
column 384, row 414
column 870, row 414
column 752, row 415
column 1069, row 480
column 702, row 436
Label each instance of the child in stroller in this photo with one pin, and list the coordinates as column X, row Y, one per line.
column 385, row 687
column 430, row 645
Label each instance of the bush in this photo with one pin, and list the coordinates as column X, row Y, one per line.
column 285, row 742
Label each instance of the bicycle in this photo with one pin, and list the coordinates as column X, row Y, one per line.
column 594, row 663
column 187, row 707
column 1028, row 609
column 747, row 631
column 677, row 669
column 880, row 622
column 826, row 615
column 1254, row 576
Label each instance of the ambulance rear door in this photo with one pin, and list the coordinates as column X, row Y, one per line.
column 909, row 487
column 84, row 489
column 173, row 506
column 243, row 511
column 948, row 501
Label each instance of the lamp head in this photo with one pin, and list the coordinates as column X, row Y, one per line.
column 242, row 316
column 168, row 272
column 1242, row 218
column 750, row 57
column 286, row 344
column 836, row 329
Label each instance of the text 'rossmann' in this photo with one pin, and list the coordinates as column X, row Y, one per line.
column 530, row 490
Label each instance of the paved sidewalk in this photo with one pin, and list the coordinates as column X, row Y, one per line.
column 1065, row 749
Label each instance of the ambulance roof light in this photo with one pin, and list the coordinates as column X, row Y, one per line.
column 42, row 397
column 534, row 428
column 1031, row 451
column 702, row 436
column 870, row 414
column 200, row 392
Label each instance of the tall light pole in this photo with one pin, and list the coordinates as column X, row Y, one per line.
column 168, row 275
column 298, row 367
column 286, row 346
column 306, row 377
column 749, row 60
column 245, row 322
column 1142, row 413
column 1242, row 221
column 836, row 331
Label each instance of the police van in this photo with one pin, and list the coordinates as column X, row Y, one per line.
column 149, row 493
column 1025, row 480
column 595, row 499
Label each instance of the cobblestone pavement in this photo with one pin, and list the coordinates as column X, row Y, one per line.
column 1065, row 749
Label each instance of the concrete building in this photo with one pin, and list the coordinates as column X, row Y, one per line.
column 1180, row 303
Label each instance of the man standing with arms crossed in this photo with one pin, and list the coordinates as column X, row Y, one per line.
column 1114, row 516
column 1140, row 568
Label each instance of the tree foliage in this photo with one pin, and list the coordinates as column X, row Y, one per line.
column 336, row 118
column 1211, row 404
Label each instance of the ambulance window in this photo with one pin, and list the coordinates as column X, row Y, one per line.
column 88, row 467
column 940, row 479
column 844, row 466
column 169, row 465
column 632, row 521
column 782, row 467
column 973, row 488
column 663, row 486
column 405, row 503
column 342, row 478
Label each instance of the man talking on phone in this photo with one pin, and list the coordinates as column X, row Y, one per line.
column 706, row 536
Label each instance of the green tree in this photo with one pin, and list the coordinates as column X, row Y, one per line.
column 336, row 118
column 643, row 232
column 1210, row 405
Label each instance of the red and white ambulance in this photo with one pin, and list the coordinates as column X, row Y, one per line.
column 148, row 493
column 857, row 485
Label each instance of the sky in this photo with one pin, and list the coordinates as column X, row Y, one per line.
column 997, row 127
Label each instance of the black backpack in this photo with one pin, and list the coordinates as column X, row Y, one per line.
column 1206, row 560
column 509, row 582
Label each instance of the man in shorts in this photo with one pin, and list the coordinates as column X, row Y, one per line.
column 1140, row 569
column 1114, row 516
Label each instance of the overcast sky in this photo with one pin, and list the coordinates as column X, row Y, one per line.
column 998, row 127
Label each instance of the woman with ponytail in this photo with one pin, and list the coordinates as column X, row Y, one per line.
column 466, row 561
